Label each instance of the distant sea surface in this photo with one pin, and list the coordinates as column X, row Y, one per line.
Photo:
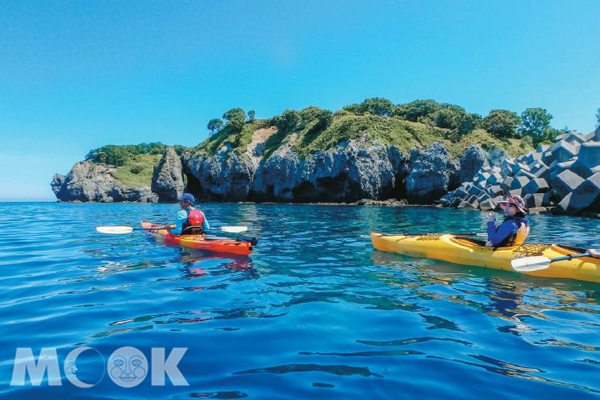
column 313, row 313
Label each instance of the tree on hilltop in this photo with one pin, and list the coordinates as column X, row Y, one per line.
column 501, row 123
column 377, row 106
column 416, row 110
column 235, row 117
column 214, row 125
column 535, row 122
column 374, row 106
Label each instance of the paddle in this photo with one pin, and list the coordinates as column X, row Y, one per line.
column 481, row 234
column 123, row 229
column 531, row 264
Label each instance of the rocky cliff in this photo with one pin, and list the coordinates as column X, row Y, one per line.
column 351, row 171
column 310, row 155
column 167, row 177
column 88, row 181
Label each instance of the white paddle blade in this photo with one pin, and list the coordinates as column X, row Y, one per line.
column 530, row 264
column 234, row 229
column 114, row 230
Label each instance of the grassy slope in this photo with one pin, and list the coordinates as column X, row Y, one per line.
column 403, row 134
column 144, row 163
column 238, row 141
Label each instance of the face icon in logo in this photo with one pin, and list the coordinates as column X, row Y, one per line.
column 70, row 367
column 127, row 367
column 93, row 362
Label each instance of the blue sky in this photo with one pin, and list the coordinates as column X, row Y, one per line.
column 76, row 75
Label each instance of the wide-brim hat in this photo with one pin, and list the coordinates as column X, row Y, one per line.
column 516, row 201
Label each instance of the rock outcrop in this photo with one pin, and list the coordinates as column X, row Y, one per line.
column 310, row 156
column 564, row 177
column 430, row 174
column 88, row 181
column 167, row 178
column 356, row 169
column 226, row 176
column 476, row 158
column 352, row 171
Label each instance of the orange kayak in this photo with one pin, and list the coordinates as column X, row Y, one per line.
column 202, row 242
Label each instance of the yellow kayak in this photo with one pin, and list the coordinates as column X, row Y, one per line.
column 466, row 251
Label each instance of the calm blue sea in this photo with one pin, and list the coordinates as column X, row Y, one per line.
column 314, row 313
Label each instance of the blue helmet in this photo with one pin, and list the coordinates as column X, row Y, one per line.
column 187, row 197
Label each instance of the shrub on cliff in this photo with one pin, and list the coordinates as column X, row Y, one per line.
column 501, row 123
column 375, row 106
column 120, row 155
column 179, row 149
column 535, row 122
column 315, row 119
column 214, row 125
column 287, row 121
column 310, row 120
column 441, row 115
column 453, row 117
column 417, row 110
column 136, row 169
column 430, row 112
column 235, row 117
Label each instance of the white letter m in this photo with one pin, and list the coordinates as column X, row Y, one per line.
column 25, row 362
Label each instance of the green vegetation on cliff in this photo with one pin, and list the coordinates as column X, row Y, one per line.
column 237, row 137
column 119, row 155
column 417, row 124
column 137, row 171
column 406, row 126
column 133, row 164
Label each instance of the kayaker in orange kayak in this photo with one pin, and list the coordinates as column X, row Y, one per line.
column 189, row 221
column 515, row 227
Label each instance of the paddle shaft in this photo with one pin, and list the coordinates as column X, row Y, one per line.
column 167, row 227
column 242, row 238
column 570, row 257
column 422, row 234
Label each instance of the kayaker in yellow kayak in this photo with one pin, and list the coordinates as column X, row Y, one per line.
column 594, row 253
column 514, row 229
column 189, row 221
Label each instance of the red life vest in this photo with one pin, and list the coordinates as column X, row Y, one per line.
column 196, row 219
